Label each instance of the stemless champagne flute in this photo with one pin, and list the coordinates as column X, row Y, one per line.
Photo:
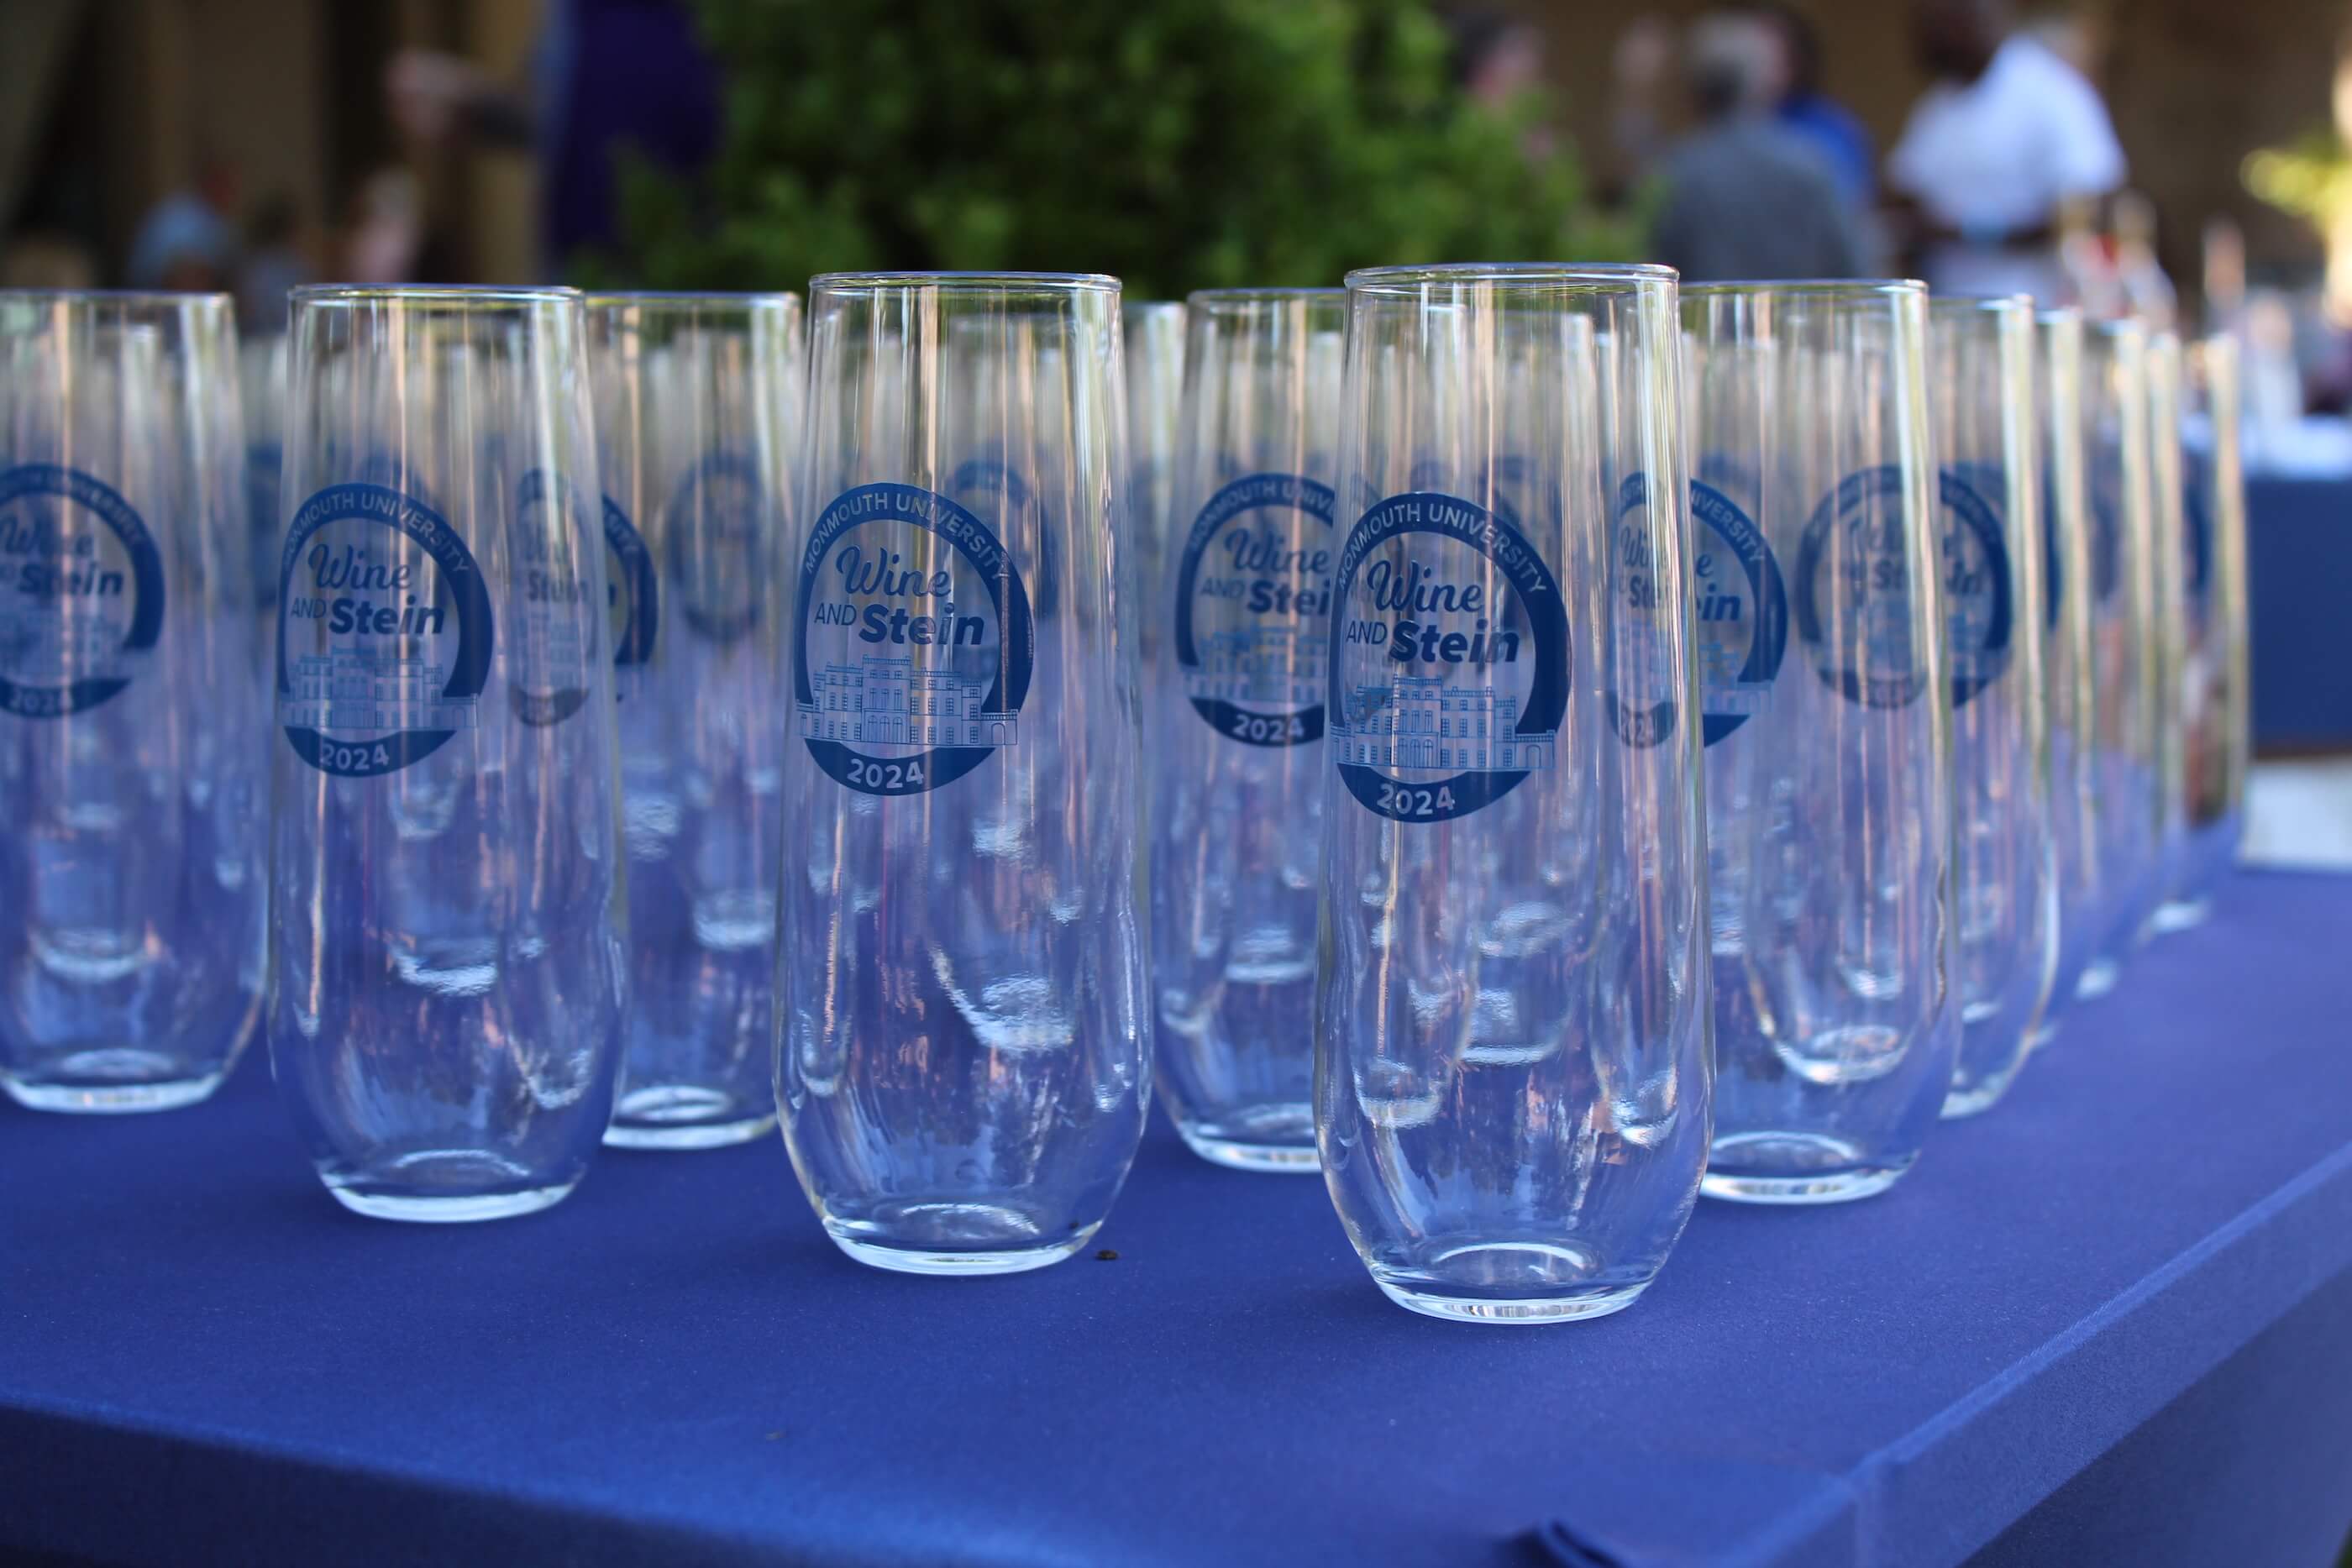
column 2068, row 665
column 697, row 422
column 261, row 378
column 1830, row 857
column 1154, row 337
column 1990, row 562
column 962, row 1068
column 447, row 971
column 2122, row 590
column 2214, row 692
column 2169, row 632
column 131, row 864
column 1511, row 1011
column 1237, row 724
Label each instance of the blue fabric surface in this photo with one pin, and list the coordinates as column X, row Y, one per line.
column 2299, row 591
column 202, row 1359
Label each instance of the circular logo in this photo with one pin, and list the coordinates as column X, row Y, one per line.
column 1449, row 659
column 1253, row 600
column 1643, row 668
column 1741, row 607
column 1977, row 592
column 1859, row 622
column 713, row 528
column 81, row 591
column 632, row 594
column 384, row 631
column 988, row 487
column 912, row 643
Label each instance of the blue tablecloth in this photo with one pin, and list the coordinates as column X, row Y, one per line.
column 2111, row 1322
column 2299, row 566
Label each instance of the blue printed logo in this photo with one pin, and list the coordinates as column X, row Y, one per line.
column 1644, row 665
column 714, row 527
column 913, row 642
column 1253, row 600
column 1855, row 605
column 631, row 594
column 384, row 631
column 1742, row 611
column 1978, row 604
column 81, row 591
column 1449, row 659
column 555, row 656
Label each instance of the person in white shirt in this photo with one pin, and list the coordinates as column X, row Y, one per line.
column 2009, row 134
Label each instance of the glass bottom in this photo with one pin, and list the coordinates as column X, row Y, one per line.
column 1962, row 1104
column 114, row 1080
column 679, row 1116
column 447, row 1186
column 2043, row 1034
column 1795, row 1169
column 1505, row 1282
column 955, row 1237
column 2098, row 980
column 2182, row 914
column 1260, row 1138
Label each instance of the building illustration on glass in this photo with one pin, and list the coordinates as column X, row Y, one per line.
column 1418, row 721
column 886, row 701
column 371, row 690
column 1267, row 663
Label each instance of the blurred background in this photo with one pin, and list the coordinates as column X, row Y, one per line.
column 1182, row 143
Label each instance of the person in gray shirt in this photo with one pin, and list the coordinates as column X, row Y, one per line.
column 1745, row 198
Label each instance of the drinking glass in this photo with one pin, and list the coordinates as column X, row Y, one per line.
column 447, row 927
column 2214, row 692
column 696, row 402
column 1154, row 338
column 2068, row 664
column 261, row 380
column 1990, row 558
column 1237, row 724
column 2123, row 596
column 963, row 1070
column 132, row 864
column 2169, row 630
column 1511, row 1068
column 1829, row 789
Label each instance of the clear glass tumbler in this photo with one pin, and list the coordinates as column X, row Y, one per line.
column 132, row 860
column 2122, row 594
column 261, row 378
column 2168, row 628
column 448, row 964
column 2068, row 663
column 963, row 1069
column 1237, row 725
column 1992, row 560
column 1837, row 1021
column 1511, row 1071
column 2215, row 697
column 697, row 427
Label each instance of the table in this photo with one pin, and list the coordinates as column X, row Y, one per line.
column 2110, row 1322
column 2299, row 593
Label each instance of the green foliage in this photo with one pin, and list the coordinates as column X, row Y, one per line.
column 1179, row 144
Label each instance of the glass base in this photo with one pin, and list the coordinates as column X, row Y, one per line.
column 1507, row 1283
column 915, row 1255
column 2182, row 914
column 2098, row 980
column 1978, row 1098
column 452, row 1209
column 2043, row 1034
column 447, row 1186
column 1279, row 1138
column 110, row 1083
column 671, row 1116
column 1795, row 1169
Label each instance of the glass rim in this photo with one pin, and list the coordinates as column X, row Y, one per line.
column 598, row 297
column 1596, row 276
column 1809, row 287
column 1221, row 298
column 2117, row 327
column 174, row 297
column 1152, row 306
column 2056, row 315
column 976, row 283
column 430, row 293
column 1986, row 304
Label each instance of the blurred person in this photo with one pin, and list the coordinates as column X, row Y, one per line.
column 1820, row 121
column 1498, row 61
column 2005, row 137
column 187, row 240
column 1638, row 68
column 386, row 237
column 1745, row 198
column 606, row 75
column 273, row 264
